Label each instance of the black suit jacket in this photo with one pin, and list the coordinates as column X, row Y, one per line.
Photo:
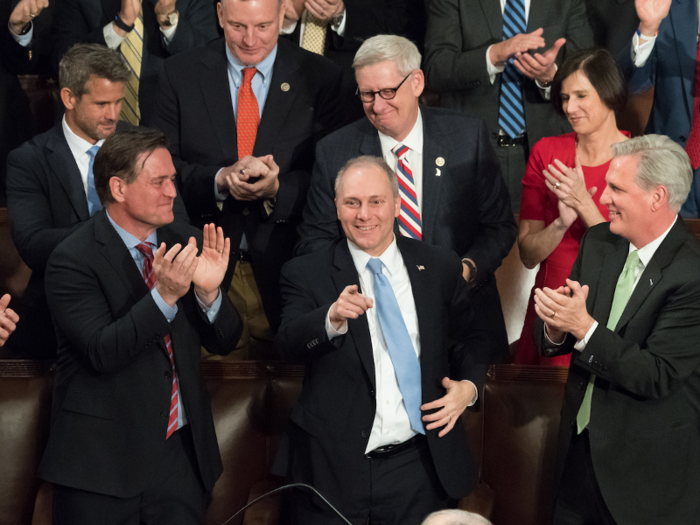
column 195, row 111
column 459, row 33
column 333, row 418
column 111, row 399
column 82, row 21
column 46, row 203
column 466, row 207
column 645, row 411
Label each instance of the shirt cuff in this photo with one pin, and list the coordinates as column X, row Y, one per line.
column 580, row 345
column 490, row 68
column 23, row 40
column 213, row 310
column 340, row 28
column 169, row 32
column 112, row 39
column 289, row 29
column 220, row 196
column 642, row 52
column 476, row 392
column 168, row 311
column 332, row 332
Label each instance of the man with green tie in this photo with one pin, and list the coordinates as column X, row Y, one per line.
column 629, row 446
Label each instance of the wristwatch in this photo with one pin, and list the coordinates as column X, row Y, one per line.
column 472, row 271
column 170, row 20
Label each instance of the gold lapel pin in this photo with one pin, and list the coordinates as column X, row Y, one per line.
column 440, row 162
column 284, row 87
column 437, row 172
column 420, row 267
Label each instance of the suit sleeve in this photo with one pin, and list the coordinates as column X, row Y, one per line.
column 367, row 18
column 70, row 27
column 497, row 228
column 33, row 229
column 579, row 34
column 195, row 27
column 302, row 334
column 319, row 226
column 447, row 66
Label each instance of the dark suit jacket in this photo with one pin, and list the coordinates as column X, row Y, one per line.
column 82, row 21
column 113, row 385
column 466, row 208
column 670, row 70
column 333, row 418
column 645, row 411
column 460, row 31
column 195, row 111
column 46, row 203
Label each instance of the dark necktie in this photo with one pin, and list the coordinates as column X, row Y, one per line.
column 511, row 116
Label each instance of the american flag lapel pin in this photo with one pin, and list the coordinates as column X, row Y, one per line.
column 420, row 267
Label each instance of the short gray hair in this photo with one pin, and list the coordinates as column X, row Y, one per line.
column 388, row 48
column 83, row 61
column 660, row 162
column 457, row 517
column 365, row 161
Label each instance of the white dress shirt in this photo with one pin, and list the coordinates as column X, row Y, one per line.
column 113, row 40
column 79, row 148
column 338, row 29
column 391, row 424
column 414, row 142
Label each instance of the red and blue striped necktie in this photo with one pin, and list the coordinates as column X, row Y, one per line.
column 409, row 219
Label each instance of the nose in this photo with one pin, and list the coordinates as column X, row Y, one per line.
column 378, row 104
column 363, row 212
column 605, row 197
column 113, row 110
column 170, row 190
column 249, row 37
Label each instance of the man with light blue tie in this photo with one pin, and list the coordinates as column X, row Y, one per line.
column 384, row 325
column 50, row 188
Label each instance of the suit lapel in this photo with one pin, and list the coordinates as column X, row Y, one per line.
column 214, row 84
column 683, row 17
column 370, row 144
column 358, row 329
column 66, row 171
column 610, row 269
column 494, row 17
column 279, row 102
column 653, row 272
column 433, row 148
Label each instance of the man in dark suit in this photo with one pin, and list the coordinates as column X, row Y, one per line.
column 48, row 179
column 344, row 25
column 471, row 55
column 629, row 448
column 132, row 436
column 384, row 326
column 243, row 115
column 663, row 54
column 166, row 28
column 462, row 200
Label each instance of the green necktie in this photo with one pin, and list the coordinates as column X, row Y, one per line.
column 623, row 291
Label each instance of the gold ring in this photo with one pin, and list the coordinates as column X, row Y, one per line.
column 220, row 251
column 553, row 314
column 556, row 186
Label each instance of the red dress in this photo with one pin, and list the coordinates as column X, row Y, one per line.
column 540, row 204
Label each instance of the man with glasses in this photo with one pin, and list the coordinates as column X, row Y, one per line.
column 452, row 191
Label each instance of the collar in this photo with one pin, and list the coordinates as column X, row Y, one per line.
column 414, row 140
column 391, row 258
column 648, row 251
column 132, row 241
column 78, row 145
column 264, row 67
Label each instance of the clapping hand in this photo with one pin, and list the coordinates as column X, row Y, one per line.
column 213, row 262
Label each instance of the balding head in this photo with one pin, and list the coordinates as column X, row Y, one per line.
column 455, row 517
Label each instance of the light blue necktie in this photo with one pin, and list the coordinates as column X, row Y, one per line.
column 94, row 204
column 511, row 116
column 398, row 342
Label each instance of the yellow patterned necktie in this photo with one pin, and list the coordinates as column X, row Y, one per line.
column 314, row 34
column 132, row 49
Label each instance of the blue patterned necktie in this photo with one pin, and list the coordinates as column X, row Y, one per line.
column 94, row 204
column 398, row 343
column 511, row 116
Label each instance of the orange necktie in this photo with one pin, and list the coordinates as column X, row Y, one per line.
column 248, row 115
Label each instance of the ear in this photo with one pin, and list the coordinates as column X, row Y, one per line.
column 67, row 98
column 417, row 82
column 117, row 187
column 337, row 210
column 659, row 198
column 397, row 206
column 220, row 14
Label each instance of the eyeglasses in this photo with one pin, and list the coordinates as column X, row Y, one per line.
column 386, row 93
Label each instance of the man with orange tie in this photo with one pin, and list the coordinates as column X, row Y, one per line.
column 134, row 296
column 243, row 114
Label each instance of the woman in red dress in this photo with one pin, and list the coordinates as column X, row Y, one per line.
column 565, row 178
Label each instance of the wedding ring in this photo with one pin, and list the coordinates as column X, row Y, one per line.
column 553, row 314
column 220, row 251
column 556, row 186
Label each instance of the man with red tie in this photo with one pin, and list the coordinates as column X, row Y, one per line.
column 243, row 114
column 132, row 438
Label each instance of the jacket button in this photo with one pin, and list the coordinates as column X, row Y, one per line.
column 682, row 138
column 371, row 392
column 364, row 434
column 246, row 211
column 168, row 374
column 163, row 414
